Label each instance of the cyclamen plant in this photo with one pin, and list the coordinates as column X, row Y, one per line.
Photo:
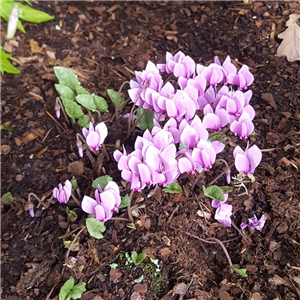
column 183, row 143
column 206, row 101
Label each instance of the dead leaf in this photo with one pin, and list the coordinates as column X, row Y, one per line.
column 115, row 275
column 268, row 97
column 277, row 280
column 290, row 46
column 76, row 168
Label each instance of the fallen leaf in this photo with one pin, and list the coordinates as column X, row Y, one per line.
column 115, row 275
column 290, row 46
column 268, row 97
column 76, row 168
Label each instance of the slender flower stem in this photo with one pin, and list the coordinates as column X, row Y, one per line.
column 129, row 207
column 70, row 247
column 220, row 175
column 76, row 200
column 212, row 240
column 130, row 130
column 117, row 102
column 243, row 236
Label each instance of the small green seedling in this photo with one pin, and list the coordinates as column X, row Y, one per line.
column 7, row 198
column 70, row 291
column 241, row 272
column 72, row 216
column 138, row 258
column 6, row 65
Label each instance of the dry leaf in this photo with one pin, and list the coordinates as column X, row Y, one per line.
column 290, row 46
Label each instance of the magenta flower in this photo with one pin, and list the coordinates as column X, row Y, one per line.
column 242, row 127
column 105, row 202
column 255, row 223
column 204, row 155
column 242, row 79
column 63, row 193
column 246, row 161
column 95, row 136
column 149, row 79
column 223, row 211
column 213, row 73
column 179, row 64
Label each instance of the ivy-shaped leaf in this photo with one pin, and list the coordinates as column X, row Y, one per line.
column 87, row 101
column 84, row 121
column 73, row 110
column 81, row 91
column 95, row 228
column 173, row 188
column 101, row 103
column 214, row 192
column 102, row 181
column 65, row 92
column 125, row 201
column 114, row 97
column 67, row 78
column 146, row 121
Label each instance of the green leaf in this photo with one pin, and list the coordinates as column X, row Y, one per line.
column 115, row 97
column 84, row 121
column 70, row 291
column 6, row 65
column 26, row 13
column 7, row 198
column 173, row 188
column 67, row 78
column 146, row 122
column 74, row 183
column 101, row 103
column 75, row 246
column 28, row 2
column 241, row 272
column 81, row 91
column 65, row 92
column 137, row 259
column 102, row 181
column 95, row 228
column 125, row 201
column 72, row 216
column 214, row 192
column 87, row 101
column 226, row 188
column 113, row 265
column 72, row 109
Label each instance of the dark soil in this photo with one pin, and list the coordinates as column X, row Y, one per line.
column 104, row 42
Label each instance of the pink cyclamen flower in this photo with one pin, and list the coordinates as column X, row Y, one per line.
column 105, row 203
column 223, row 211
column 255, row 223
column 95, row 136
column 242, row 127
column 242, row 79
column 179, row 64
column 63, row 193
column 246, row 161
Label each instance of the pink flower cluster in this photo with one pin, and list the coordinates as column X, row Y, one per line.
column 198, row 91
column 157, row 159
